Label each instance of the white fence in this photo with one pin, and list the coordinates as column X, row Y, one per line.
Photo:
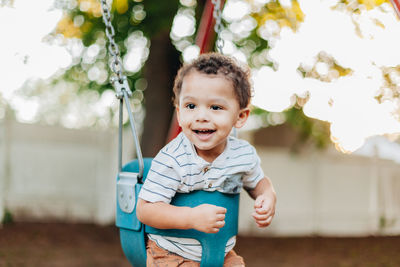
column 69, row 175
column 329, row 194
column 57, row 174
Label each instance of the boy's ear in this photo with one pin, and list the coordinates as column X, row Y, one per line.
column 242, row 118
column 177, row 114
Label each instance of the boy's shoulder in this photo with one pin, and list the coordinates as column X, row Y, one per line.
column 176, row 148
column 176, row 145
column 236, row 143
column 177, row 153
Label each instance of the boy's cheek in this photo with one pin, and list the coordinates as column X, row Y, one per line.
column 183, row 123
column 182, row 119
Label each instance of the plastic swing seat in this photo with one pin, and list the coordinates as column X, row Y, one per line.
column 133, row 232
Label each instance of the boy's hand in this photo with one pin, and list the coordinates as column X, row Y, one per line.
column 208, row 218
column 264, row 210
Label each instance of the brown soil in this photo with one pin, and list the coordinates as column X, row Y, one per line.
column 85, row 245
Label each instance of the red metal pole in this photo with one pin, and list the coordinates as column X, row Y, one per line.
column 396, row 5
column 205, row 36
column 205, row 32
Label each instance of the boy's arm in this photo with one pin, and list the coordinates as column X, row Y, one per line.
column 206, row 218
column 265, row 201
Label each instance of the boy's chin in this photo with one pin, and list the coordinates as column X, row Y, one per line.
column 203, row 147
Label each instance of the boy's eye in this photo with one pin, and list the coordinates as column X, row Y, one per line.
column 214, row 107
column 190, row 106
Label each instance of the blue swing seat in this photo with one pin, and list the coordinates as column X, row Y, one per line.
column 133, row 232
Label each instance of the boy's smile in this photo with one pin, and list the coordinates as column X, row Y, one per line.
column 204, row 134
column 207, row 110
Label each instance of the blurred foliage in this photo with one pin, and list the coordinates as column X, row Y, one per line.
column 390, row 91
column 355, row 6
column 309, row 131
column 7, row 217
column 391, row 77
column 285, row 16
column 6, row 3
column 334, row 69
column 255, row 45
column 83, row 21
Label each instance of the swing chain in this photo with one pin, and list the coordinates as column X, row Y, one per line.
column 217, row 14
column 121, row 85
column 118, row 80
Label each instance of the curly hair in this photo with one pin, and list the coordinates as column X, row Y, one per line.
column 217, row 64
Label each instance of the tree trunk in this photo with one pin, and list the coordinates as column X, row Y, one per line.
column 160, row 71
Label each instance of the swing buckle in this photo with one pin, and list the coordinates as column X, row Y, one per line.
column 126, row 191
column 121, row 85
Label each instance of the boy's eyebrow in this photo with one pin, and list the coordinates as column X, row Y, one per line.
column 212, row 100
column 186, row 98
column 221, row 101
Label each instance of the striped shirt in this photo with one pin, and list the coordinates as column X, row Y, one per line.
column 178, row 168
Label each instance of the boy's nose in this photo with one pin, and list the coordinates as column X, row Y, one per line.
column 202, row 115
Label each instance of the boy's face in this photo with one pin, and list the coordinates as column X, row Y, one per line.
column 207, row 110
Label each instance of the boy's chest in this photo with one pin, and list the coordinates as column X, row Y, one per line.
column 212, row 178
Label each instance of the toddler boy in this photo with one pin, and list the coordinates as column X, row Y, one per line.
column 212, row 95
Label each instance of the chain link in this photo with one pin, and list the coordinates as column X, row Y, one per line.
column 115, row 60
column 121, row 85
column 217, row 14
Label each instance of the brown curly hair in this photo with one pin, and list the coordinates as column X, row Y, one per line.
column 217, row 64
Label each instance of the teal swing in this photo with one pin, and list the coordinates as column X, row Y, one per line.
column 131, row 176
column 133, row 232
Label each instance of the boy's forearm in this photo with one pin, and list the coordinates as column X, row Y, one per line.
column 162, row 215
column 264, row 186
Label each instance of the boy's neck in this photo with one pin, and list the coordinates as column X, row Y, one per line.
column 210, row 155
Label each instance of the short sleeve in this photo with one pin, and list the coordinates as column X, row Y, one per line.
column 254, row 174
column 162, row 180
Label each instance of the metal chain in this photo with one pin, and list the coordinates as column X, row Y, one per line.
column 217, row 14
column 116, row 63
column 121, row 85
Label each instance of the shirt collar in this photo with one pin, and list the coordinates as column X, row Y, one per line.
column 199, row 160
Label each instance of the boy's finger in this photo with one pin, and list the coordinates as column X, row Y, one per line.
column 264, row 223
column 269, row 214
column 219, row 224
column 258, row 203
column 221, row 210
column 262, row 210
column 214, row 230
column 260, row 217
column 220, row 217
column 263, row 217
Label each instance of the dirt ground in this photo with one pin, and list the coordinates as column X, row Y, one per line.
column 85, row 245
